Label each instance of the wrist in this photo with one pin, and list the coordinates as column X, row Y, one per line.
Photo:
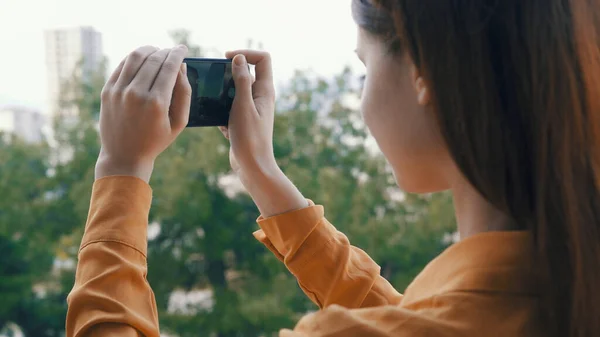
column 272, row 191
column 259, row 174
column 107, row 166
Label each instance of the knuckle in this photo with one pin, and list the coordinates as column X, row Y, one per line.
column 131, row 94
column 105, row 94
column 271, row 95
column 136, row 55
column 154, row 103
column 154, row 59
column 187, row 89
column 170, row 66
column 179, row 124
column 116, row 94
column 244, row 78
column 140, row 53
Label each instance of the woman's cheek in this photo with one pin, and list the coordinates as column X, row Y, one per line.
column 368, row 107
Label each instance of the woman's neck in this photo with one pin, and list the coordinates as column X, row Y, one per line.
column 476, row 215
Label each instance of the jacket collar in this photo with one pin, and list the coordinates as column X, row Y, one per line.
column 500, row 262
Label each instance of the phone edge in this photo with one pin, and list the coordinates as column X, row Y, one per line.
column 202, row 59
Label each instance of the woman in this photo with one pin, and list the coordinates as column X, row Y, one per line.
column 497, row 101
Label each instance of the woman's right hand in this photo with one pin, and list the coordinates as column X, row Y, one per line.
column 250, row 132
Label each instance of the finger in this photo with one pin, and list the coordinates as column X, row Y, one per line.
column 150, row 70
column 263, row 69
column 167, row 76
column 115, row 75
column 133, row 62
column 179, row 113
column 243, row 88
column 225, row 131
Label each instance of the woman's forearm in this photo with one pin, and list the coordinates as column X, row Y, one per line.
column 272, row 191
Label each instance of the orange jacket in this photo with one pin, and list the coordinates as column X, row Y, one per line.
column 481, row 286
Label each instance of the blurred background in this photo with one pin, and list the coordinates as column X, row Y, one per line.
column 210, row 276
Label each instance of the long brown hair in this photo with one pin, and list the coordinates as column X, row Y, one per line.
column 516, row 89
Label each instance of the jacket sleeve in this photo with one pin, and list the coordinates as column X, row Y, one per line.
column 329, row 270
column 111, row 296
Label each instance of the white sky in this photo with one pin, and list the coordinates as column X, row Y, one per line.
column 300, row 34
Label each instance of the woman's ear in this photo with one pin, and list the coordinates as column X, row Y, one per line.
column 421, row 88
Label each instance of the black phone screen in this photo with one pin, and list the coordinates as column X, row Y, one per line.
column 213, row 91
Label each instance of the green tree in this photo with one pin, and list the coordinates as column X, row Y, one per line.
column 71, row 173
column 16, row 280
column 27, row 244
column 205, row 237
column 201, row 222
column 200, row 241
column 46, row 193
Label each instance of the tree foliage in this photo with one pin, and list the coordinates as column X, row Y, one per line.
column 201, row 221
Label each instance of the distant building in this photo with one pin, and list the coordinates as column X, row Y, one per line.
column 26, row 123
column 65, row 49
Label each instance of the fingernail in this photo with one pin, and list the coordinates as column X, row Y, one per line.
column 240, row 60
column 182, row 46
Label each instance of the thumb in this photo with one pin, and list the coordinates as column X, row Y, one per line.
column 179, row 113
column 243, row 83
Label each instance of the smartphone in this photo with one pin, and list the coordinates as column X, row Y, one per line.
column 213, row 91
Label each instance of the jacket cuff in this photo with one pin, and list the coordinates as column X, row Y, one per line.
column 286, row 232
column 119, row 210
